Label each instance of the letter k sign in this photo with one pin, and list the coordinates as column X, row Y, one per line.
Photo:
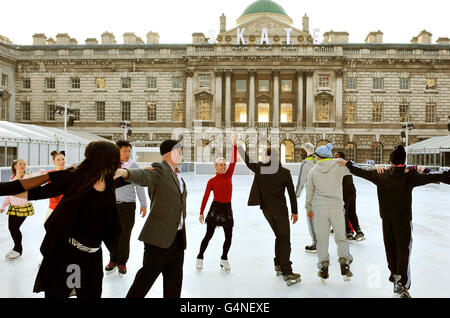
column 240, row 36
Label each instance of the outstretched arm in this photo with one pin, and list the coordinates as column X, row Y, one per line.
column 253, row 166
column 232, row 165
column 142, row 177
column 419, row 179
column 371, row 175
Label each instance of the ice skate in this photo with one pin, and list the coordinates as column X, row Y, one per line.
column 401, row 292
column 310, row 249
column 345, row 271
column 359, row 236
column 199, row 264
column 350, row 238
column 278, row 270
column 292, row 279
column 12, row 255
column 225, row 265
column 122, row 270
column 323, row 272
column 110, row 268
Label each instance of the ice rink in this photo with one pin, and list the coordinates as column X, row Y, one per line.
column 252, row 251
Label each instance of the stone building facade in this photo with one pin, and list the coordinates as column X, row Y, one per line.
column 264, row 79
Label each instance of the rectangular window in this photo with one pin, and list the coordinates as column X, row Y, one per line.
column 430, row 113
column 378, row 83
column 26, row 83
column 50, row 83
column 177, row 112
column 126, row 111
column 75, row 106
column 351, row 83
column 126, row 82
column 25, row 110
column 403, row 114
column 263, row 112
column 263, row 86
column 100, row 82
column 431, row 83
column 100, row 111
column 203, row 81
column 350, row 112
column 204, row 110
column 151, row 111
column 405, row 83
column 324, row 81
column 5, row 80
column 4, row 110
column 323, row 111
column 286, row 113
column 241, row 85
column 240, row 112
column 50, row 111
column 286, row 85
column 152, row 82
column 377, row 112
column 6, row 159
column 75, row 82
column 177, row 82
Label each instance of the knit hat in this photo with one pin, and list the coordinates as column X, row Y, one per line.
column 324, row 151
column 398, row 156
column 168, row 145
column 309, row 148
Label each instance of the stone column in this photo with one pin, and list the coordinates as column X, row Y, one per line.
column 218, row 105
column 299, row 99
column 339, row 74
column 309, row 98
column 251, row 100
column 228, row 99
column 276, row 99
column 190, row 107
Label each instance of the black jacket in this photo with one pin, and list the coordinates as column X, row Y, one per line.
column 394, row 188
column 268, row 186
column 348, row 188
column 11, row 188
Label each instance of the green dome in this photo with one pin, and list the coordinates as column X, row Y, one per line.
column 264, row 6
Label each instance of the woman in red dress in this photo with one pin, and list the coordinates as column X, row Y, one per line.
column 220, row 213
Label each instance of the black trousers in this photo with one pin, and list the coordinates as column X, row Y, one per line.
column 14, row 224
column 279, row 222
column 210, row 229
column 350, row 215
column 398, row 242
column 121, row 249
column 168, row 261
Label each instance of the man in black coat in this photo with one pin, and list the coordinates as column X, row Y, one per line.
column 268, row 188
column 394, row 188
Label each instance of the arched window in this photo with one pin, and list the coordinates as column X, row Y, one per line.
column 377, row 153
column 287, row 151
column 350, row 152
column 322, row 143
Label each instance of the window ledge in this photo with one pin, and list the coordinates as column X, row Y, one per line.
column 378, row 91
column 74, row 90
column 25, row 90
column 125, row 90
column 431, row 91
column 177, row 89
column 50, row 90
column 326, row 89
column 404, row 91
column 151, row 90
column 100, row 90
column 351, row 91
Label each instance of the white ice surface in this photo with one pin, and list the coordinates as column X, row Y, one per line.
column 251, row 254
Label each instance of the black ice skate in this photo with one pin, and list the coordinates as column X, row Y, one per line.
column 359, row 236
column 400, row 291
column 278, row 270
column 292, row 279
column 323, row 272
column 345, row 270
column 350, row 238
column 310, row 248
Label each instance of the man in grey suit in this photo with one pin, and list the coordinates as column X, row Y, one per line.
column 164, row 232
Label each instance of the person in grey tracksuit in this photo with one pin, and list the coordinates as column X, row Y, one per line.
column 307, row 153
column 325, row 205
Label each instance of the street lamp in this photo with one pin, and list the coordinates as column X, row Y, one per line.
column 67, row 112
column 127, row 129
column 405, row 132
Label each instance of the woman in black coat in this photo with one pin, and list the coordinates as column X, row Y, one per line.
column 83, row 219
column 19, row 186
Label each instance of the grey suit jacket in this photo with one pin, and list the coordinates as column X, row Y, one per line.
column 167, row 204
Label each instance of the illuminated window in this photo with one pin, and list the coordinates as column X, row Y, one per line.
column 350, row 152
column 263, row 112
column 350, row 112
column 177, row 112
column 100, row 82
column 286, row 85
column 403, row 114
column 287, row 151
column 377, row 112
column 204, row 110
column 240, row 113
column 431, row 83
column 323, row 110
column 286, row 113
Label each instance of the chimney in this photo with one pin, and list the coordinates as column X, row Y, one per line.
column 62, row 39
column 335, row 37
column 129, row 38
column 73, row 41
column 424, row 37
column 108, row 38
column 443, row 41
column 4, row 39
column 51, row 41
column 91, row 41
column 414, row 40
column 305, row 23
column 39, row 39
column 198, row 38
column 223, row 23
column 152, row 38
column 374, row 37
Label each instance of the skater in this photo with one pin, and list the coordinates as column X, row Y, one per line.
column 164, row 232
column 325, row 205
column 268, row 188
column 19, row 209
column 394, row 188
column 126, row 207
column 307, row 153
column 220, row 213
column 349, row 196
column 85, row 217
column 59, row 160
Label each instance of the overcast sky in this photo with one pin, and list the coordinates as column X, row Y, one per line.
column 176, row 20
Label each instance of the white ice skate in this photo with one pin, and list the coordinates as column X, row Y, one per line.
column 199, row 264
column 225, row 265
column 12, row 255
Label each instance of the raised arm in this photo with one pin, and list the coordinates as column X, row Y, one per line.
column 253, row 166
column 232, row 165
column 371, row 175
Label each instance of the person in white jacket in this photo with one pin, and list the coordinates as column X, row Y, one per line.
column 325, row 205
column 307, row 153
